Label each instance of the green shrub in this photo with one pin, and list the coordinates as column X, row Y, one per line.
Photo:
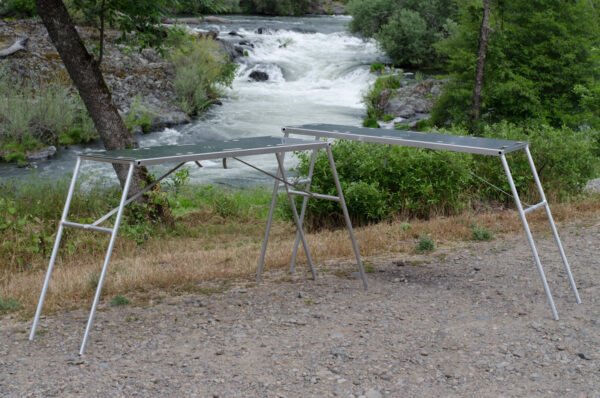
column 34, row 116
column 421, row 183
column 377, row 67
column 481, row 233
column 387, row 117
column 201, row 70
column 275, row 7
column 406, row 30
column 372, row 98
column 425, row 244
column 17, row 8
column 8, row 304
column 370, row 122
column 119, row 300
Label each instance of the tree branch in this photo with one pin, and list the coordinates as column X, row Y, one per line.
column 18, row 45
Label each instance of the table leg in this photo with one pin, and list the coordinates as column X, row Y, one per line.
column 263, row 251
column 295, row 213
column 107, row 258
column 303, row 211
column 554, row 231
column 529, row 236
column 347, row 217
column 55, row 249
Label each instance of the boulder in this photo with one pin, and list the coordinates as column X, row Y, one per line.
column 259, row 76
column 42, row 154
column 413, row 99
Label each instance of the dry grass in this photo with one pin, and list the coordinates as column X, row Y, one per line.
column 230, row 251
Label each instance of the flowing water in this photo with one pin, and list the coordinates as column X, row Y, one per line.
column 317, row 73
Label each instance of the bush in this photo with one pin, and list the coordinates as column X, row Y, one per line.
column 372, row 98
column 275, row 7
column 201, row 70
column 405, row 29
column 47, row 114
column 425, row 244
column 420, row 183
column 17, row 8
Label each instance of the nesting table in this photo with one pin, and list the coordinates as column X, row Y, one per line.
column 475, row 145
column 181, row 154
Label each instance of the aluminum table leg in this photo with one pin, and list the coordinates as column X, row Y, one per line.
column 295, row 213
column 263, row 251
column 529, row 236
column 347, row 217
column 303, row 211
column 107, row 258
column 55, row 249
column 554, row 231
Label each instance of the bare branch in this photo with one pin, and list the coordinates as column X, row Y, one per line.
column 18, row 45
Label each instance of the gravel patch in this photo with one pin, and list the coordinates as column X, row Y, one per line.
column 467, row 321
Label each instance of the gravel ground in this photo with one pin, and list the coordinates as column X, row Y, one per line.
column 464, row 321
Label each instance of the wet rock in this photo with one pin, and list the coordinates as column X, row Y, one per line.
column 42, row 154
column 259, row 76
column 407, row 102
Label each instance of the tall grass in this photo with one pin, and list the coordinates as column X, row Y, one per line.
column 201, row 71
column 43, row 114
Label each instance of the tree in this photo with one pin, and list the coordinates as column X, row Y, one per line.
column 139, row 22
column 405, row 29
column 539, row 57
column 484, row 34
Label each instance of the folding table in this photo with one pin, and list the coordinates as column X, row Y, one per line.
column 180, row 154
column 475, row 145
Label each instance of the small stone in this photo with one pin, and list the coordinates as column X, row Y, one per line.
column 220, row 352
column 373, row 394
column 583, row 355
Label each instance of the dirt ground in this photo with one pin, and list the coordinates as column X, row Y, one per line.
column 465, row 321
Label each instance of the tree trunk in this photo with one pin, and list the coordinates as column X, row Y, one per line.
column 86, row 75
column 484, row 35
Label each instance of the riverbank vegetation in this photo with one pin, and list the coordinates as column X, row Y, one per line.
column 37, row 113
column 539, row 83
column 34, row 116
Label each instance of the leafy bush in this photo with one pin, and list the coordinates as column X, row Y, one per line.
column 34, row 116
column 481, row 233
column 421, row 183
column 425, row 244
column 201, row 70
column 372, row 98
column 275, row 7
column 8, row 304
column 405, row 29
column 17, row 8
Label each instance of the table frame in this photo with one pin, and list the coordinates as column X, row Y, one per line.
column 279, row 151
column 475, row 145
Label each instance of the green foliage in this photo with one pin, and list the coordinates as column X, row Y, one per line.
column 201, row 70
column 371, row 123
column 138, row 116
column 33, row 116
column 405, row 29
column 275, row 7
column 540, row 64
column 8, row 304
column 17, row 8
column 377, row 67
column 421, row 183
column 372, row 98
column 425, row 244
column 481, row 233
column 119, row 300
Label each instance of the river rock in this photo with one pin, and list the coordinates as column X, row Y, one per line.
column 42, row 154
column 413, row 99
column 259, row 76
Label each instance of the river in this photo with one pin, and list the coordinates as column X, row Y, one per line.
column 317, row 73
